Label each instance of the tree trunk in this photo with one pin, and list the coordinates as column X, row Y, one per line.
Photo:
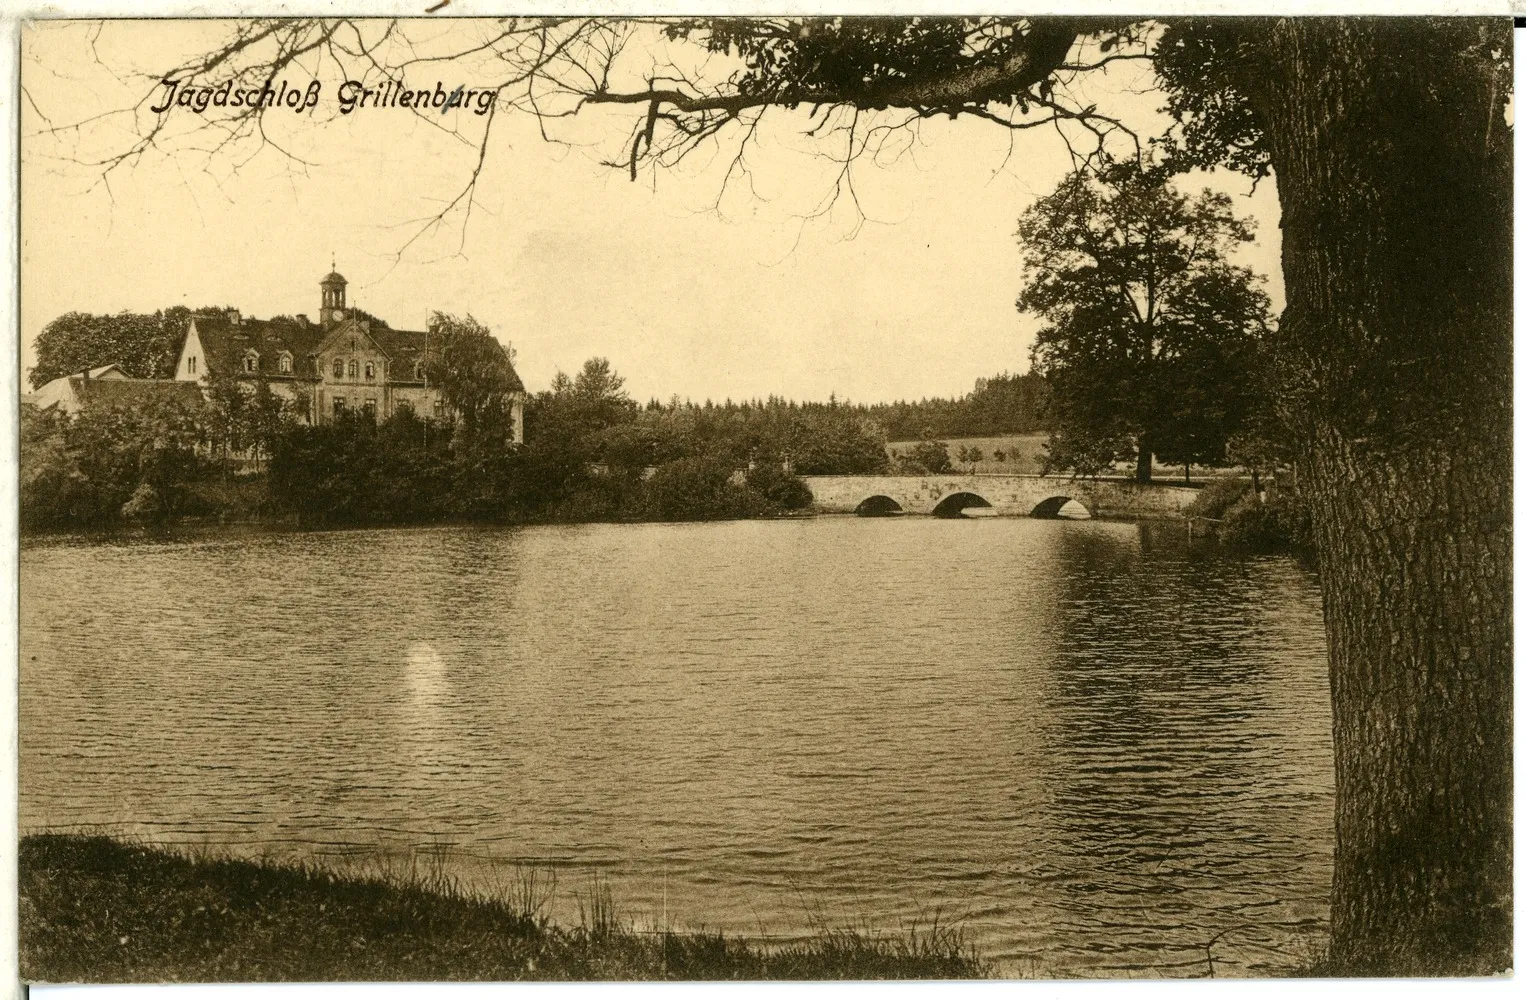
column 1392, row 161
column 1142, row 465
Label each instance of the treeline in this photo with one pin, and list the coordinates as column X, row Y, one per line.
column 1003, row 404
column 147, row 345
column 591, row 453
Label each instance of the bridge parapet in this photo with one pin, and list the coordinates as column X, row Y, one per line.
column 1008, row 494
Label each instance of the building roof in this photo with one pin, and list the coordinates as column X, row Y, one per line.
column 132, row 391
column 333, row 277
column 405, row 348
column 225, row 341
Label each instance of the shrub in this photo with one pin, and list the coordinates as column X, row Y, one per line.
column 695, row 489
column 780, row 490
column 1215, row 499
column 1282, row 522
column 926, row 457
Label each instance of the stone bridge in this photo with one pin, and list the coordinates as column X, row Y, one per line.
column 1022, row 496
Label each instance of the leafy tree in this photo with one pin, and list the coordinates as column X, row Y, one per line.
column 691, row 489
column 1209, row 397
column 145, row 345
column 472, row 371
column 832, row 441
column 244, row 417
column 779, row 490
column 598, row 384
column 927, row 457
column 1144, row 315
column 106, row 462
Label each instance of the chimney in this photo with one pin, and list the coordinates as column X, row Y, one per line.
column 234, row 317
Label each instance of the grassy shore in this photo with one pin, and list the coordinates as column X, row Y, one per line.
column 94, row 909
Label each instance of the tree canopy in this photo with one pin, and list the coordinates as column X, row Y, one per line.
column 1148, row 325
column 144, row 344
column 471, row 369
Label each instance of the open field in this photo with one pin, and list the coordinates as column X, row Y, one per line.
column 94, row 909
column 1023, row 455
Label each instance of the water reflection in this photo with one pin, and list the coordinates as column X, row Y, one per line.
column 1098, row 745
column 1166, row 758
column 425, row 675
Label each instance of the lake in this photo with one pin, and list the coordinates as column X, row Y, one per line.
column 1095, row 747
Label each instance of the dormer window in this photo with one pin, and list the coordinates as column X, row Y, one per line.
column 251, row 362
column 285, row 363
column 370, row 371
column 339, row 368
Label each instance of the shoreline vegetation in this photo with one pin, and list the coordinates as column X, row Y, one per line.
column 589, row 453
column 149, row 462
column 98, row 909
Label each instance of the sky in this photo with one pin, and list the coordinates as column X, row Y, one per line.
column 688, row 288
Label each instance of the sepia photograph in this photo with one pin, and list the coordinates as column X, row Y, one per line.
column 706, row 497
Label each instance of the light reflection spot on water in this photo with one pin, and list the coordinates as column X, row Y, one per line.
column 425, row 672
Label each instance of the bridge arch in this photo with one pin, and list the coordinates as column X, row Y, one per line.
column 1054, row 507
column 879, row 505
column 955, row 504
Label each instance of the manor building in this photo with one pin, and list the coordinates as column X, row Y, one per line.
column 343, row 362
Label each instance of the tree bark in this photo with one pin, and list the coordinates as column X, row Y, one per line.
column 1392, row 161
column 1143, row 464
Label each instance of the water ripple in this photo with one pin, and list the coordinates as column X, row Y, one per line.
column 1094, row 746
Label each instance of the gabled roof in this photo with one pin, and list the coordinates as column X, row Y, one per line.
column 225, row 341
column 336, row 334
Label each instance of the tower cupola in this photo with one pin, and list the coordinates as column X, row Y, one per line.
column 333, row 297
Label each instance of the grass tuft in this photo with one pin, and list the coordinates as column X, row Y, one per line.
column 96, row 909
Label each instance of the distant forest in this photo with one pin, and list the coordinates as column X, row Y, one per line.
column 1002, row 404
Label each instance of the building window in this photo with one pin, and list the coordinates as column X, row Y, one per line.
column 402, row 404
column 285, row 364
column 418, row 371
column 371, row 408
column 338, row 406
column 439, row 409
column 338, row 368
column 251, row 362
column 190, row 365
column 354, row 369
column 370, row 371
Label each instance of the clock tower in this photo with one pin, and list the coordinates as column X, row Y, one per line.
column 333, row 298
